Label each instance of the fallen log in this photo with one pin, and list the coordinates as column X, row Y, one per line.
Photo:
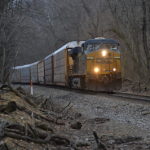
column 42, row 104
column 9, row 108
column 100, row 145
column 12, row 106
column 3, row 124
column 39, row 116
column 14, row 131
column 21, row 90
column 53, row 120
column 51, row 113
column 26, row 130
column 4, row 86
column 26, row 138
column 26, row 98
column 43, row 126
column 35, row 135
column 49, row 139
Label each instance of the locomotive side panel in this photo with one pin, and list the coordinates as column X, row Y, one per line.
column 41, row 72
column 34, row 73
column 25, row 75
column 60, row 68
column 49, row 70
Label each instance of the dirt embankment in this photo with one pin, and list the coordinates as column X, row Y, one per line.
column 28, row 122
column 39, row 123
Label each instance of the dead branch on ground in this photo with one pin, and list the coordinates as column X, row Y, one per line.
column 100, row 145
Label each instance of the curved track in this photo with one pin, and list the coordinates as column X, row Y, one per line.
column 110, row 93
column 129, row 96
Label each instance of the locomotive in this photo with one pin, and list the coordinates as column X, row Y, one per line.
column 93, row 64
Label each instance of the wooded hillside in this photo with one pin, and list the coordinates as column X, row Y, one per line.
column 45, row 25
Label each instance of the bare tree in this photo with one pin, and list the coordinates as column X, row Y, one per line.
column 52, row 23
column 96, row 18
column 8, row 28
column 145, row 7
column 130, row 24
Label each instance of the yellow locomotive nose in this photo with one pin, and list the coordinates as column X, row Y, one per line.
column 96, row 70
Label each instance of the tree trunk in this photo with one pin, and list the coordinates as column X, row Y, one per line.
column 144, row 31
column 3, row 66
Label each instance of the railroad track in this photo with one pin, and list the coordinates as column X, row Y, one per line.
column 111, row 93
column 108, row 93
column 114, row 94
column 131, row 96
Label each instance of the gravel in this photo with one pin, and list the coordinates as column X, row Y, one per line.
column 123, row 117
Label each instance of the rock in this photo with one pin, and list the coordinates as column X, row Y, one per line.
column 78, row 115
column 146, row 113
column 55, row 140
column 82, row 144
column 76, row 125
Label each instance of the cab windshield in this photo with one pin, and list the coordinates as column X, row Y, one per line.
column 95, row 47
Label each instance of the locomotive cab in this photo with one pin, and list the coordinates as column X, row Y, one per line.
column 102, row 60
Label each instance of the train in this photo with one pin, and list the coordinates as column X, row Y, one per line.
column 93, row 65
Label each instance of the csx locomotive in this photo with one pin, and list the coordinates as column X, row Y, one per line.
column 93, row 64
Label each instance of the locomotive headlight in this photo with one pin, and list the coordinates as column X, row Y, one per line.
column 96, row 69
column 104, row 53
column 114, row 69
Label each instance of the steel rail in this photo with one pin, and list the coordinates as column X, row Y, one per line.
column 131, row 96
column 106, row 93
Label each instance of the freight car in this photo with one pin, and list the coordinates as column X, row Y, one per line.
column 93, row 64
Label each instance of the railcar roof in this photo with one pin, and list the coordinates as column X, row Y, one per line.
column 100, row 41
column 68, row 45
column 26, row 66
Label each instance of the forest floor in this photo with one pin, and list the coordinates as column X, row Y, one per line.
column 57, row 119
column 121, row 124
